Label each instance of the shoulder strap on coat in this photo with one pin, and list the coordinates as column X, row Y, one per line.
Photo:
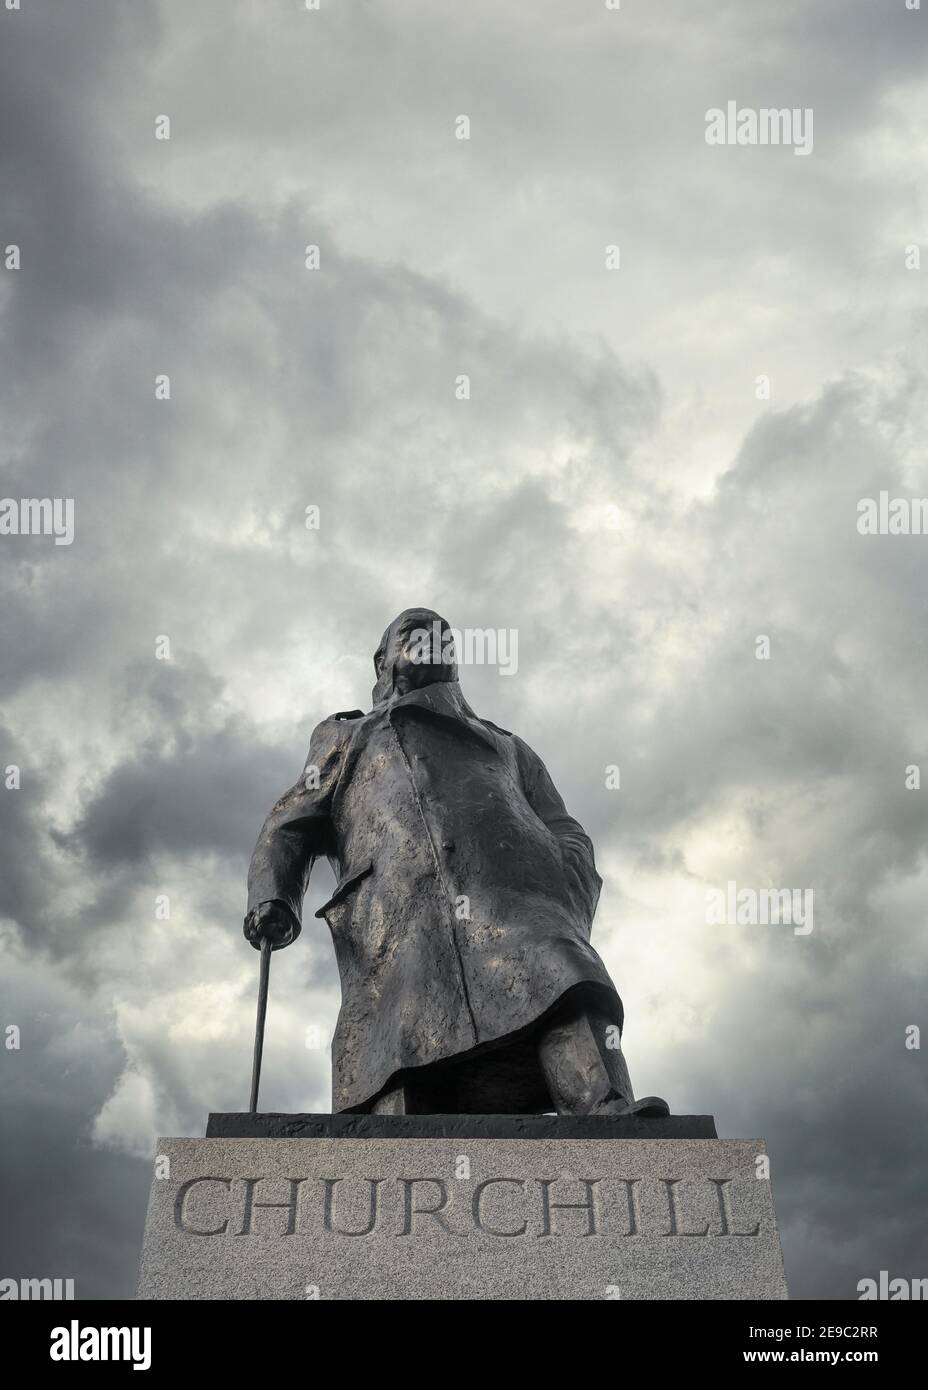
column 490, row 725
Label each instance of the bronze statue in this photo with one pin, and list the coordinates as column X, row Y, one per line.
column 462, row 913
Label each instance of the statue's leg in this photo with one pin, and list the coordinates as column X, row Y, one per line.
column 392, row 1102
column 583, row 1064
column 425, row 1092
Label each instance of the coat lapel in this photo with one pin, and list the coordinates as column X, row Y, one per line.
column 443, row 701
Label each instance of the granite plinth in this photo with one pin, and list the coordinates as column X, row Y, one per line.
column 461, row 1217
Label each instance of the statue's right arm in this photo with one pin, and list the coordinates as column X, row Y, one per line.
column 295, row 833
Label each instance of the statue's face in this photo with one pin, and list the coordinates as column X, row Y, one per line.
column 423, row 650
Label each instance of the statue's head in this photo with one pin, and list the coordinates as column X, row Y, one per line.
column 417, row 649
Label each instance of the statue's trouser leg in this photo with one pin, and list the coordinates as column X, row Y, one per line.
column 390, row 1102
column 583, row 1064
column 426, row 1094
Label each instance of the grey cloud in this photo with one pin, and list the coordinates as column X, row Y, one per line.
column 636, row 644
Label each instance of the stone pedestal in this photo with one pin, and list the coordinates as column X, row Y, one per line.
column 482, row 1207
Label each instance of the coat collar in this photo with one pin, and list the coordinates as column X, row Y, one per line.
column 443, row 700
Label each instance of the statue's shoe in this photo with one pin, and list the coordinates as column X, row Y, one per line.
column 648, row 1108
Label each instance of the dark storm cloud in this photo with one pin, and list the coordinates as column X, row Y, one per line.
column 23, row 884
column 636, row 643
column 185, row 791
column 60, row 1192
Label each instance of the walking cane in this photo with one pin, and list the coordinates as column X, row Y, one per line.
column 259, row 1025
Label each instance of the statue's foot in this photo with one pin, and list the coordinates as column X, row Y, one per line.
column 648, row 1108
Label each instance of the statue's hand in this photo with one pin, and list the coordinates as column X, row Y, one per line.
column 272, row 922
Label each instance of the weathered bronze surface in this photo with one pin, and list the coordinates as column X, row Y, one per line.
column 462, row 912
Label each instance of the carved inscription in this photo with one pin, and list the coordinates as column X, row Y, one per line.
column 508, row 1208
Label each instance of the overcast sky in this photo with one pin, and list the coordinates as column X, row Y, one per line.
column 617, row 490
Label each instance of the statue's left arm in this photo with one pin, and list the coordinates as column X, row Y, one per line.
column 575, row 845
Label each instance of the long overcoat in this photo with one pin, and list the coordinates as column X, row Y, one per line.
column 465, row 891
